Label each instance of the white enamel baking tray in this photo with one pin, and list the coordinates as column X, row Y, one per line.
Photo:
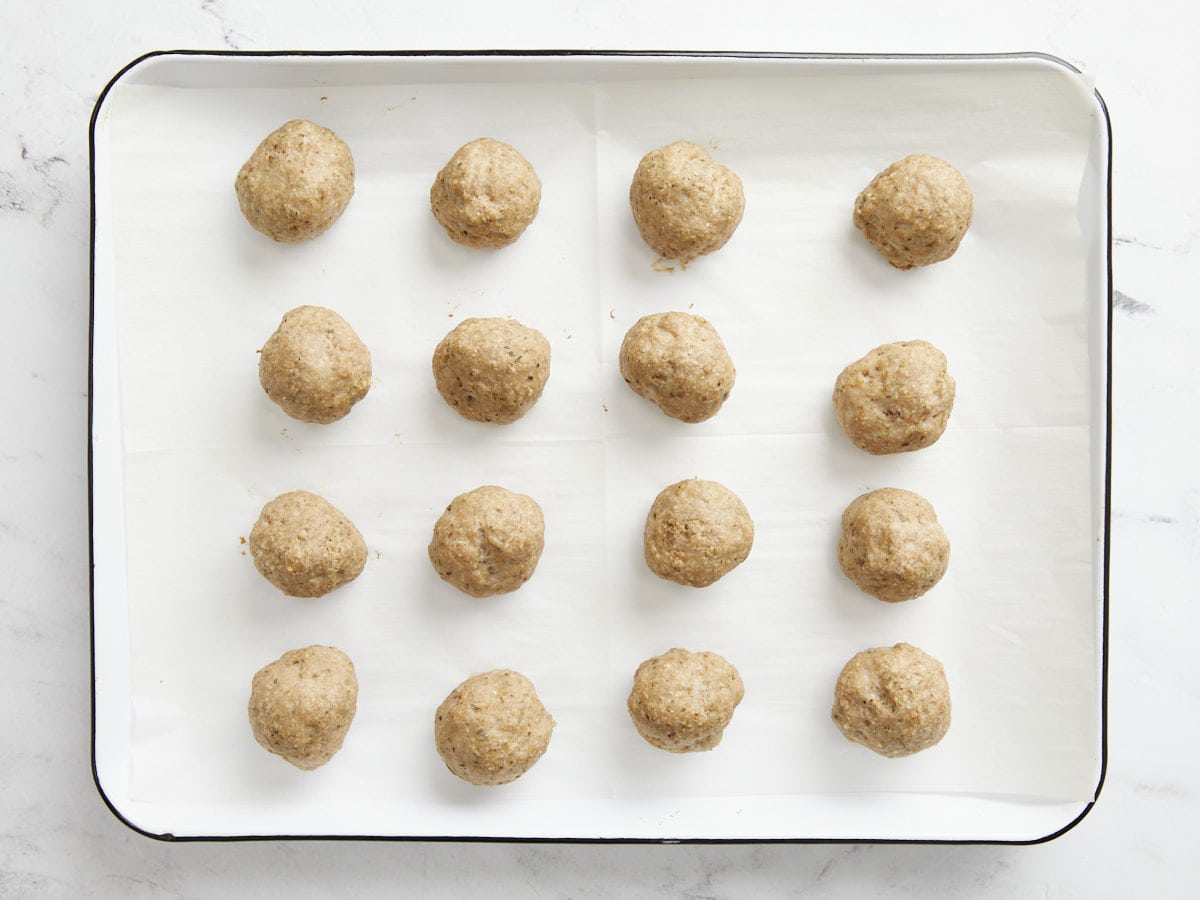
column 185, row 448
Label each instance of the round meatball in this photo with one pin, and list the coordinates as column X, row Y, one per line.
column 678, row 361
column 488, row 541
column 492, row 728
column 486, row 195
column 916, row 211
column 306, row 546
column 893, row 700
column 492, row 370
column 895, row 399
column 682, row 701
column 301, row 705
column 685, row 204
column 892, row 546
column 314, row 365
column 297, row 183
column 696, row 532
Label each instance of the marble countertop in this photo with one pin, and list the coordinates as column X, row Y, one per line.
column 56, row 836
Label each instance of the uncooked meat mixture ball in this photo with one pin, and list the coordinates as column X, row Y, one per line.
column 314, row 365
column 306, row 546
column 492, row 370
column 486, row 195
column 301, row 705
column 678, row 361
column 896, row 398
column 916, row 211
column 297, row 183
column 696, row 532
column 682, row 701
column 685, row 204
column 893, row 700
column 492, row 728
column 892, row 545
column 488, row 541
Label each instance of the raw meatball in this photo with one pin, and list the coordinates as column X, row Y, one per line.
column 915, row 212
column 697, row 531
column 893, row 700
column 678, row 361
column 297, row 183
column 305, row 546
column 486, row 195
column 684, row 203
column 682, row 701
column 314, row 365
column 301, row 705
column 488, row 541
column 892, row 546
column 492, row 728
column 492, row 370
column 896, row 398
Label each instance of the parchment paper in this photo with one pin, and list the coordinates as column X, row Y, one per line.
column 797, row 294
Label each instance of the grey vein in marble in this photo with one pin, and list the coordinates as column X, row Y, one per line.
column 34, row 187
column 215, row 8
column 1183, row 248
column 1127, row 304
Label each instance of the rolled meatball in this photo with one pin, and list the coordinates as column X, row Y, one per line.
column 683, row 701
column 297, row 182
column 697, row 532
column 314, row 365
column 895, row 399
column 893, row 700
column 916, row 211
column 892, row 545
column 301, row 705
column 492, row 370
column 492, row 728
column 677, row 361
column 685, row 204
column 486, row 195
column 488, row 541
column 306, row 546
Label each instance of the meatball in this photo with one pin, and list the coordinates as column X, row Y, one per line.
column 678, row 361
column 305, row 546
column 893, row 700
column 301, row 705
column 895, row 399
column 297, row 183
column 684, row 203
column 916, row 211
column 314, row 365
column 488, row 541
column 697, row 532
column 486, row 195
column 682, row 701
column 492, row 728
column 892, row 545
column 492, row 370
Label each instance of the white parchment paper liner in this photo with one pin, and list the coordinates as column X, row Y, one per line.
column 797, row 295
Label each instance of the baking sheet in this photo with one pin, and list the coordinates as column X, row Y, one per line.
column 796, row 294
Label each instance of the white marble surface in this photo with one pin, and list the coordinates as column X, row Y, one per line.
column 56, row 837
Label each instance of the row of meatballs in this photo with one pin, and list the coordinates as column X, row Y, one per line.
column 300, row 179
column 489, row 541
column 492, row 728
column 896, row 398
